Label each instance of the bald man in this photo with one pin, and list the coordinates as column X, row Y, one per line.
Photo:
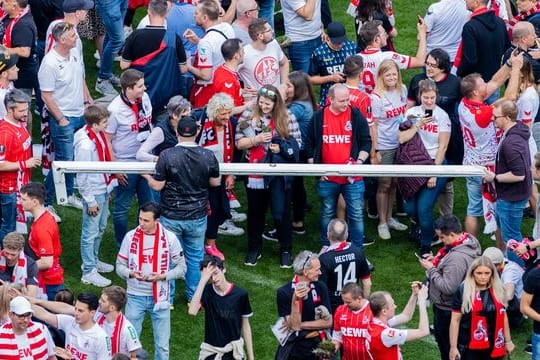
column 246, row 11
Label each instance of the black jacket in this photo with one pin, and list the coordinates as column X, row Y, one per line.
column 483, row 42
column 360, row 130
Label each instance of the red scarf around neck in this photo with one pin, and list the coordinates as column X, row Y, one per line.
column 102, row 149
column 209, row 137
column 522, row 16
column 142, row 120
column 479, row 332
column 115, row 336
column 6, row 41
column 446, row 249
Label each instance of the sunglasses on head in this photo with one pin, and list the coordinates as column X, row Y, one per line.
column 268, row 92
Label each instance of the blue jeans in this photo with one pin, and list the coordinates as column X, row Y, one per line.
column 62, row 138
column 51, row 290
column 112, row 13
column 136, row 307
column 92, row 231
column 420, row 208
column 300, row 53
column 191, row 236
column 123, row 194
column 354, row 199
column 266, row 11
column 509, row 215
column 535, row 346
column 8, row 204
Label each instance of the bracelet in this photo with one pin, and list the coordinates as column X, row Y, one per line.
column 508, row 342
column 508, row 63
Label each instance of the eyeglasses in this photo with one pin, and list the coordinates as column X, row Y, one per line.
column 307, row 260
column 26, row 315
column 431, row 65
column 268, row 93
column 250, row 10
column 495, row 117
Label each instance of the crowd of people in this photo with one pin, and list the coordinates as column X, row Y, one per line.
column 206, row 82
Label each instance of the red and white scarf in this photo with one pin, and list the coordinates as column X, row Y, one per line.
column 479, row 332
column 160, row 263
column 522, row 16
column 23, row 177
column 104, row 154
column 143, row 121
column 6, row 41
column 117, row 330
column 446, row 249
column 209, row 137
column 36, row 339
column 20, row 274
column 257, row 154
column 489, row 201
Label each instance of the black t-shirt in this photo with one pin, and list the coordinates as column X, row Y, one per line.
column 340, row 267
column 44, row 12
column 317, row 296
column 223, row 314
column 387, row 26
column 147, row 40
column 31, row 272
column 531, row 285
column 24, row 34
column 449, row 96
column 489, row 311
column 187, row 170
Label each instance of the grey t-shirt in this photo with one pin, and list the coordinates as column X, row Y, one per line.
column 296, row 27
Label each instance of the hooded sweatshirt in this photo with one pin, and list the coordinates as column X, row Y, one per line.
column 445, row 278
column 483, row 42
column 513, row 155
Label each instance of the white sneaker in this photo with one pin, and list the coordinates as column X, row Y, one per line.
column 103, row 267
column 94, row 278
column 228, row 228
column 237, row 216
column 96, row 55
column 396, row 225
column 74, row 202
column 384, row 232
column 56, row 217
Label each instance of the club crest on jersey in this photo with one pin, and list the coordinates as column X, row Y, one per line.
column 348, row 125
column 266, row 71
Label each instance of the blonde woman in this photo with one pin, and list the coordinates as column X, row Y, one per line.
column 479, row 326
column 389, row 103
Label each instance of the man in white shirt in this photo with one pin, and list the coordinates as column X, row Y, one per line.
column 264, row 61
column 31, row 340
column 85, row 339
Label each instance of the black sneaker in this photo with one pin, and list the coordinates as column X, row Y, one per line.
column 414, row 232
column 368, row 241
column 251, row 258
column 270, row 235
column 528, row 349
column 286, row 260
column 300, row 230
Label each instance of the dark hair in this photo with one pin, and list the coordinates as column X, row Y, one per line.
column 152, row 207
column 370, row 30
column 60, row 29
column 442, row 58
column 116, row 295
column 212, row 260
column 89, row 299
column 34, row 190
column 447, row 224
column 129, row 78
column 94, row 114
column 353, row 66
column 378, row 301
column 22, row 3
column 303, row 91
column 256, row 26
column 366, row 9
column 354, row 289
column 65, row 296
column 468, row 84
column 230, row 47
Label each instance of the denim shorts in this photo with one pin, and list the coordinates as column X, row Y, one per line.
column 474, row 193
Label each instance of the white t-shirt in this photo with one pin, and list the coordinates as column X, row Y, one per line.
column 144, row 288
column 50, row 42
column 444, row 21
column 429, row 133
column 480, row 143
column 372, row 60
column 261, row 67
column 296, row 27
column 388, row 109
column 527, row 105
column 129, row 341
column 209, row 47
column 512, row 274
column 23, row 345
column 92, row 344
column 122, row 125
column 65, row 78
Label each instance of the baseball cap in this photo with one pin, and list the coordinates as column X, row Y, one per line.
column 494, row 254
column 187, row 126
column 336, row 32
column 7, row 61
column 19, row 306
column 70, row 6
